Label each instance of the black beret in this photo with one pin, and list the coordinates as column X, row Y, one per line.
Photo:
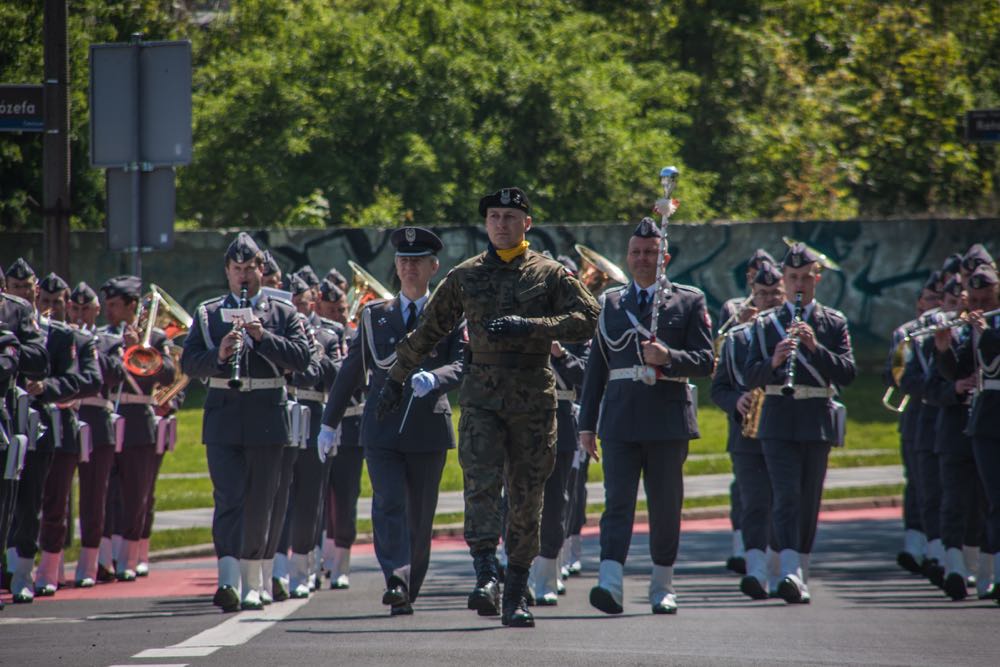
column 297, row 285
column 329, row 291
column 984, row 276
column 83, row 294
column 53, row 283
column 647, row 229
column 767, row 274
column 242, row 249
column 975, row 256
column 415, row 242
column 505, row 198
column 953, row 264
column 799, row 254
column 568, row 262
column 270, row 264
column 953, row 286
column 20, row 270
column 308, row 275
column 336, row 277
column 126, row 286
column 933, row 282
column 759, row 255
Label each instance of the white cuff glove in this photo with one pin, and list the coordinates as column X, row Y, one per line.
column 423, row 383
column 328, row 441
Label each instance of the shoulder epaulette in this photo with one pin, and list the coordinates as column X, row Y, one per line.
column 15, row 299
column 688, row 288
column 208, row 302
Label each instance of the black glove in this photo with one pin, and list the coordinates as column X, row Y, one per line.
column 510, row 326
column 389, row 399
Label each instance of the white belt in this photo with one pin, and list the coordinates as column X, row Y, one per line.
column 355, row 410
column 310, row 395
column 98, row 402
column 249, row 384
column 991, row 385
column 136, row 399
column 565, row 394
column 801, row 391
column 636, row 373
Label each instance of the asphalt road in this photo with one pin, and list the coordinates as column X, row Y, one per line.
column 864, row 611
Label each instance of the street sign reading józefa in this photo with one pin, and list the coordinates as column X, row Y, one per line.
column 982, row 125
column 21, row 108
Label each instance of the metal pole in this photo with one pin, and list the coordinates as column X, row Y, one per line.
column 135, row 177
column 55, row 143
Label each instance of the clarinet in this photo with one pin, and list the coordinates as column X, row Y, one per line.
column 789, row 387
column 235, row 381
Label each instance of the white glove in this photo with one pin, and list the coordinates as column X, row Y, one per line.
column 327, row 442
column 423, row 383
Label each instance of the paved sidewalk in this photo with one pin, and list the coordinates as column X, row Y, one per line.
column 696, row 486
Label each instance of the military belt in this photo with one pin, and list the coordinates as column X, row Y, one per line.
column 991, row 385
column 97, row 402
column 802, row 392
column 136, row 399
column 510, row 359
column 636, row 373
column 249, row 384
column 310, row 395
column 565, row 394
column 355, row 411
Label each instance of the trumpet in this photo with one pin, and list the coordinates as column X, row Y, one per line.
column 952, row 322
column 235, row 381
column 789, row 387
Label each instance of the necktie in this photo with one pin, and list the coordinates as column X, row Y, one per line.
column 643, row 300
column 411, row 317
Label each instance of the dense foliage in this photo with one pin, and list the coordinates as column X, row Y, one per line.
column 368, row 112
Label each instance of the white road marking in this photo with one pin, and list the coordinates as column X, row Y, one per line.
column 38, row 619
column 156, row 664
column 178, row 652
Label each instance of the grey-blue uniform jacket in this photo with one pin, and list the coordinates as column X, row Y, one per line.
column 628, row 410
column 916, row 381
column 787, row 417
column 728, row 385
column 18, row 317
column 62, row 384
column 318, row 378
column 569, row 370
column 371, row 353
column 97, row 413
column 140, row 417
column 967, row 357
column 256, row 417
column 953, row 412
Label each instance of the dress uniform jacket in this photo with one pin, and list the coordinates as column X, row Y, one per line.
column 629, row 410
column 428, row 425
column 90, row 379
column 962, row 360
column 785, row 417
column 97, row 413
column 17, row 315
column 953, row 408
column 910, row 416
column 62, row 383
column 233, row 416
column 318, row 377
column 916, row 381
column 728, row 385
column 569, row 370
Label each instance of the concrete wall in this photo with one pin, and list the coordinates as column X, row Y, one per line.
column 884, row 262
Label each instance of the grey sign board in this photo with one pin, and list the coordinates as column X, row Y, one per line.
column 156, row 209
column 140, row 104
column 21, row 108
column 982, row 125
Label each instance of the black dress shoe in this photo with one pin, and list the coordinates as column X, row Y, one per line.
column 906, row 561
column 601, row 599
column 789, row 591
column 405, row 609
column 954, row 586
column 737, row 564
column 105, row 575
column 278, row 591
column 226, row 598
column 395, row 593
column 751, row 587
column 936, row 575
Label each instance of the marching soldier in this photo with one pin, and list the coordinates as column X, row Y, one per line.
column 406, row 453
column 74, row 443
column 645, row 420
column 272, row 272
column 332, row 303
column 243, row 350
column 980, row 352
column 516, row 302
column 729, row 392
column 800, row 421
column 24, row 356
column 61, row 384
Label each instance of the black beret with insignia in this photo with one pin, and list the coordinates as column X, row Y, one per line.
column 767, row 274
column 953, row 264
column 568, row 262
column 270, row 264
column 975, row 256
column 297, row 285
column 20, row 270
column 53, row 283
column 243, row 249
column 83, row 294
column 953, row 286
column 129, row 287
column 329, row 291
column 759, row 255
column 308, row 275
column 505, row 198
column 415, row 242
column 799, row 254
column 984, row 276
column 647, row 229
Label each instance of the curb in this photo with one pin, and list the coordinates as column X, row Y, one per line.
column 457, row 529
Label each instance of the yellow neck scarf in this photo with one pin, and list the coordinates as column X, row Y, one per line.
column 510, row 254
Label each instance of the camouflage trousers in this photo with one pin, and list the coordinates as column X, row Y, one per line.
column 512, row 451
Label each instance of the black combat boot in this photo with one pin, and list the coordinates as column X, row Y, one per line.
column 485, row 598
column 515, row 606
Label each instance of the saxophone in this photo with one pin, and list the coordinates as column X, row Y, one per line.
column 751, row 420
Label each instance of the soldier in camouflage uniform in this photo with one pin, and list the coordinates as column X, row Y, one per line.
column 516, row 302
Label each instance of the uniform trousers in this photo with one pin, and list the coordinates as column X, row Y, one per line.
column 404, row 499
column 245, row 481
column 577, row 516
column 754, row 486
column 735, row 501
column 963, row 501
column 147, row 524
column 554, row 506
column 8, row 495
column 342, row 496
column 661, row 464
column 28, row 504
column 911, row 489
column 94, row 478
column 929, row 469
column 987, row 453
column 136, row 477
column 55, row 501
column 305, row 506
column 797, row 471
column 510, row 451
column 276, row 520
